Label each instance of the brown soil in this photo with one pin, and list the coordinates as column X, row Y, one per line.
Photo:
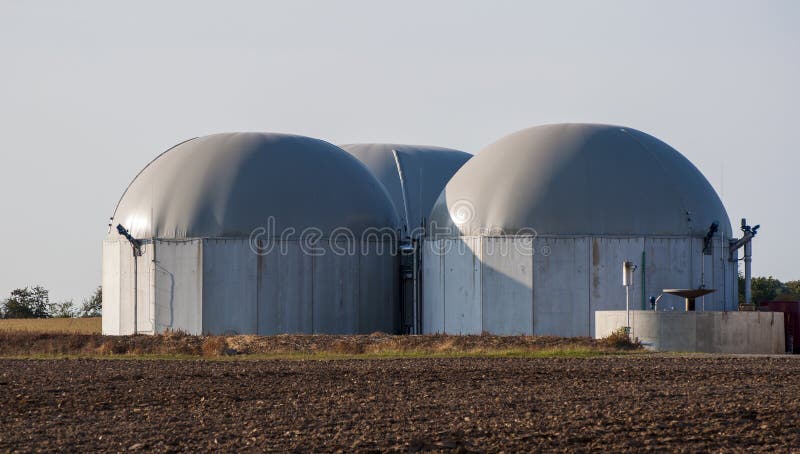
column 633, row 403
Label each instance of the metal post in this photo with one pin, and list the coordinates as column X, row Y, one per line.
column 748, row 252
column 627, row 280
column 745, row 241
column 644, row 282
column 628, row 308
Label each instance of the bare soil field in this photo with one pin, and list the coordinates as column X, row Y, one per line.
column 621, row 403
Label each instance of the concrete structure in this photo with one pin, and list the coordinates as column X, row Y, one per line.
column 414, row 176
column 709, row 332
column 253, row 233
column 529, row 236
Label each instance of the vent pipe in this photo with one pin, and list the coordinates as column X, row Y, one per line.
column 746, row 242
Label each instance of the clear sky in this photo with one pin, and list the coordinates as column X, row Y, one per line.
column 92, row 91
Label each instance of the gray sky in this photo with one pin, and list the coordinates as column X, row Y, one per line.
column 92, row 91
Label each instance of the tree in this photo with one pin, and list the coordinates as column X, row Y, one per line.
column 769, row 289
column 28, row 302
column 793, row 289
column 63, row 309
column 766, row 288
column 92, row 306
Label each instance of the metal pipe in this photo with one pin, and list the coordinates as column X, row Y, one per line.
column 655, row 301
column 627, row 308
column 746, row 242
column 725, row 288
column 644, row 296
column 703, row 280
column 627, row 280
column 748, row 258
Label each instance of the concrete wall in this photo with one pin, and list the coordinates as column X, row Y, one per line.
column 710, row 332
column 503, row 286
column 221, row 286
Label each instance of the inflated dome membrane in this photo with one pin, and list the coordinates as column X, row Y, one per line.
column 414, row 175
column 226, row 185
column 578, row 179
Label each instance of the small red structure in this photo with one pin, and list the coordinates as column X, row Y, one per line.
column 791, row 321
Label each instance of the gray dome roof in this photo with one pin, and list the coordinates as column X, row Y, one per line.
column 577, row 179
column 414, row 175
column 226, row 185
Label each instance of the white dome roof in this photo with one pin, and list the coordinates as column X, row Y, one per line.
column 577, row 179
column 226, row 185
column 414, row 175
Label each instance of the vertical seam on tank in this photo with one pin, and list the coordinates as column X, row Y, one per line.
column 443, row 267
column 480, row 289
column 313, row 295
column 589, row 270
column 358, row 292
column 402, row 189
column 200, row 281
column 259, row 269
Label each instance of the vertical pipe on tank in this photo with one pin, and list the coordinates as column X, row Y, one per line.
column 644, row 296
column 748, row 258
column 703, row 279
column 627, row 280
column 726, row 290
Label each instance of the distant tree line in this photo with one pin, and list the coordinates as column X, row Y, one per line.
column 770, row 289
column 34, row 302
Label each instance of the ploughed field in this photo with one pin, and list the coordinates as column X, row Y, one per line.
column 629, row 402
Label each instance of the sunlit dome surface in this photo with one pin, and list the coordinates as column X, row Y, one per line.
column 575, row 179
column 226, row 185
